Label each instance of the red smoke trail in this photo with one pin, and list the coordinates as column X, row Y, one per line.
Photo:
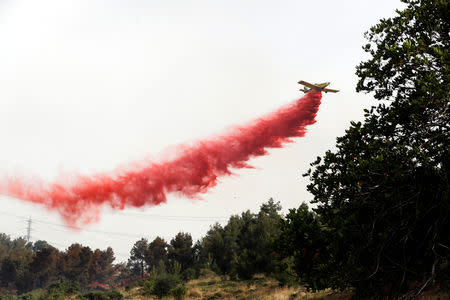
column 195, row 169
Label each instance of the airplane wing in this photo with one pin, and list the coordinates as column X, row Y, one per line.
column 330, row 91
column 310, row 85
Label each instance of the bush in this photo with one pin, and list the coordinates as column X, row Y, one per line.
column 95, row 295
column 206, row 273
column 188, row 274
column 66, row 287
column 114, row 295
column 164, row 283
column 179, row 292
column 98, row 295
column 38, row 294
column 147, row 287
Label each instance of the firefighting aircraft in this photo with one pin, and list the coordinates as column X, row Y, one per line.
column 316, row 87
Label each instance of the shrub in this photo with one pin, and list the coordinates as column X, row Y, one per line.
column 114, row 295
column 147, row 287
column 179, row 292
column 95, row 295
column 38, row 294
column 99, row 295
column 66, row 287
column 188, row 274
column 206, row 273
column 164, row 284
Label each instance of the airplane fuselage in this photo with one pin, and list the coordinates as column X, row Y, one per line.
column 308, row 87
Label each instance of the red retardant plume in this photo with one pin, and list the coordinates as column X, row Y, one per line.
column 194, row 170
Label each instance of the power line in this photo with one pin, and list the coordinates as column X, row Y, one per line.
column 38, row 221
column 177, row 218
column 106, row 233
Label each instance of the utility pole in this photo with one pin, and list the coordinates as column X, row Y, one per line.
column 29, row 229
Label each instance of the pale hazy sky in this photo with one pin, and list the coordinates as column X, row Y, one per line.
column 90, row 85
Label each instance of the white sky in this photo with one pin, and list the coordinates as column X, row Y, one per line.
column 90, row 85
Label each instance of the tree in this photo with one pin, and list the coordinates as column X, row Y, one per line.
column 14, row 265
column 101, row 267
column 213, row 251
column 255, row 240
column 156, row 252
column 43, row 266
column 5, row 245
column 384, row 193
column 137, row 259
column 181, row 250
column 39, row 245
column 304, row 238
column 8, row 271
column 77, row 260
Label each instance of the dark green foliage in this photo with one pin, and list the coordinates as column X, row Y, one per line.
column 306, row 240
column 156, row 252
column 114, row 295
column 26, row 266
column 8, row 270
column 255, row 240
column 285, row 271
column 44, row 266
column 188, row 274
column 100, row 295
column 409, row 54
column 16, row 258
column 384, row 193
column 244, row 246
column 181, row 250
column 137, row 260
column 66, row 287
column 101, row 266
column 38, row 294
column 39, row 245
column 56, row 291
column 164, row 283
column 24, row 281
column 77, row 260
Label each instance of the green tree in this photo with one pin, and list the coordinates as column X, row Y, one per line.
column 39, row 245
column 156, row 252
column 384, row 193
column 231, row 241
column 14, row 266
column 77, row 260
column 304, row 238
column 8, row 271
column 101, row 267
column 256, row 238
column 213, row 250
column 5, row 245
column 43, row 266
column 181, row 250
column 137, row 259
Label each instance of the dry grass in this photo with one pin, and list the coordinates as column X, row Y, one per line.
column 194, row 293
column 260, row 288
